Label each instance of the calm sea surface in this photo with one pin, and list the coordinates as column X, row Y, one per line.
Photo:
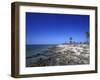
column 32, row 50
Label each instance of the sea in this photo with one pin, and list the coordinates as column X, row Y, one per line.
column 32, row 50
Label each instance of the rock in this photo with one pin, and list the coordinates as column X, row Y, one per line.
column 61, row 55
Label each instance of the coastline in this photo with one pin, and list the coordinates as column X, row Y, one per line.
column 63, row 54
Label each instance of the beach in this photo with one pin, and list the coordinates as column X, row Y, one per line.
column 62, row 54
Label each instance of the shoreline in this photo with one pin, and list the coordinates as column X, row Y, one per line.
column 63, row 54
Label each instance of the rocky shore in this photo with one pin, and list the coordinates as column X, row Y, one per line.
column 64, row 54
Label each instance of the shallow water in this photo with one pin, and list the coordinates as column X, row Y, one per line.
column 32, row 50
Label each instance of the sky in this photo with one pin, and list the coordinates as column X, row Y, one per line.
column 47, row 28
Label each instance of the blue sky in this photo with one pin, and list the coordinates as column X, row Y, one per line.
column 46, row 28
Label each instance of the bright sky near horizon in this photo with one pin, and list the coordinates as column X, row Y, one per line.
column 46, row 28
